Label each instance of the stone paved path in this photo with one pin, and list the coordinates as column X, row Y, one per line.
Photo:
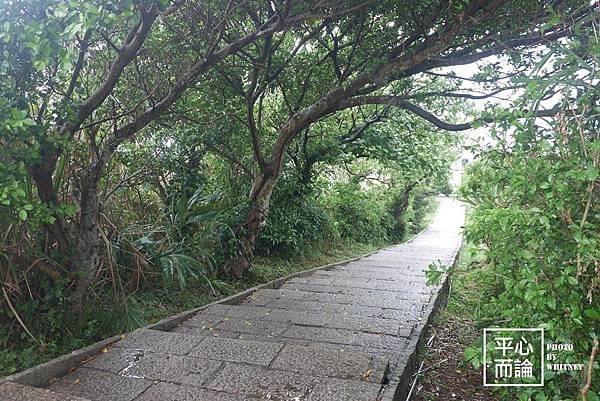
column 337, row 334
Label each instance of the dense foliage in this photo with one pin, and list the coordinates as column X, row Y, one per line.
column 536, row 192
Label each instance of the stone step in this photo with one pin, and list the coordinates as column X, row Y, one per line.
column 19, row 392
column 159, row 341
column 181, row 392
column 323, row 361
column 353, row 277
column 364, row 291
column 212, row 315
column 336, row 321
column 264, row 297
column 368, row 319
column 99, row 385
column 380, row 273
column 238, row 350
column 273, row 384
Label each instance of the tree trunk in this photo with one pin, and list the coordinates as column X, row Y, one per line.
column 255, row 221
column 262, row 188
column 79, row 244
column 86, row 258
column 41, row 173
column 401, row 207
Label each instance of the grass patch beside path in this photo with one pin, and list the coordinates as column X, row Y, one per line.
column 160, row 304
column 445, row 374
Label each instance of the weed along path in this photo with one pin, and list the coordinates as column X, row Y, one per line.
column 346, row 332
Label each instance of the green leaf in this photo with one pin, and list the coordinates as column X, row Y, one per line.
column 29, row 122
column 474, row 355
column 592, row 314
column 23, row 214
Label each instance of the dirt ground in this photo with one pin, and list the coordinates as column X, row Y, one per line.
column 444, row 374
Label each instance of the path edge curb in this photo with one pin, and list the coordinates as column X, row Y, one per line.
column 399, row 385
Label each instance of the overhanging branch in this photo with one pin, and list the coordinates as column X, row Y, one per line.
column 401, row 103
column 462, row 95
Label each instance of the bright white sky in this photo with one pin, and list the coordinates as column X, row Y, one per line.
column 482, row 134
column 479, row 134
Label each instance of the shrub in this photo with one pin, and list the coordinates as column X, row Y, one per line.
column 296, row 222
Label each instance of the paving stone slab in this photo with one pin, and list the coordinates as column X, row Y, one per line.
column 160, row 341
column 340, row 336
column 333, row 304
column 238, row 311
column 344, row 390
column 282, row 303
column 413, row 250
column 411, row 296
column 176, row 392
column 326, row 362
column 313, row 279
column 417, row 266
column 367, row 301
column 18, row 392
column 334, row 320
column 398, row 286
column 370, row 340
column 375, row 280
column 321, row 334
column 309, row 303
column 172, row 368
column 204, row 331
column 276, row 339
column 341, row 272
column 413, row 246
column 404, row 312
column 262, row 327
column 358, row 291
column 98, row 385
column 237, row 350
column 390, row 355
column 374, row 273
column 263, row 383
column 114, row 359
column 409, row 273
column 276, row 293
column 385, row 354
column 204, row 321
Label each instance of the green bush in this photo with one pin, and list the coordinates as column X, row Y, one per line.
column 296, row 222
column 358, row 214
column 536, row 220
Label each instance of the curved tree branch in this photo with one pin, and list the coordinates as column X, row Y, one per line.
column 129, row 50
column 463, row 95
column 401, row 103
